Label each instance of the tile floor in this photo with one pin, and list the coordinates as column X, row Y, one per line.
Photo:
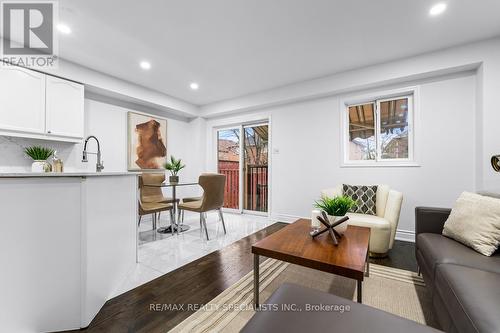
column 159, row 254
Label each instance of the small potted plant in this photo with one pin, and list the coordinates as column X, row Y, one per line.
column 174, row 166
column 39, row 155
column 336, row 208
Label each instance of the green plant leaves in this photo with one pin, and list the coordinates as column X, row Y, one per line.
column 336, row 206
column 38, row 153
column 174, row 165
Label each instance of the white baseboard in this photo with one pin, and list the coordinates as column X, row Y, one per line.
column 402, row 235
column 286, row 218
column 405, row 235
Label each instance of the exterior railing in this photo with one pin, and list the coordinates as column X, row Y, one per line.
column 256, row 184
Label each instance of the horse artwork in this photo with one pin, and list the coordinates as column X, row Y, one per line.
column 147, row 147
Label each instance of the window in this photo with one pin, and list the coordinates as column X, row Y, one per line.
column 379, row 131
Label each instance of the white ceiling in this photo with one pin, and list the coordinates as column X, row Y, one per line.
column 236, row 47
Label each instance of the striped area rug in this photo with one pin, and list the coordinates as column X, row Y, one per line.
column 393, row 290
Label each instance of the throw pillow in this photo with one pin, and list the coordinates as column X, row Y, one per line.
column 475, row 222
column 364, row 196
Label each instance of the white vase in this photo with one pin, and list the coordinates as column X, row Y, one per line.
column 38, row 166
column 341, row 228
column 315, row 223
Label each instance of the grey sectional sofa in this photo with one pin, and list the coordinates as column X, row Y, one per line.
column 465, row 285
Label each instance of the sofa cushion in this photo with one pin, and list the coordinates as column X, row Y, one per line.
column 382, row 195
column 364, row 196
column 371, row 221
column 438, row 249
column 489, row 194
column 426, row 270
column 380, row 236
column 471, row 297
column 475, row 222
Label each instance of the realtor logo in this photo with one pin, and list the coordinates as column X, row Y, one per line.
column 28, row 34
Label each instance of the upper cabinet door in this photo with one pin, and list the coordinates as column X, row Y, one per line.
column 22, row 100
column 64, row 108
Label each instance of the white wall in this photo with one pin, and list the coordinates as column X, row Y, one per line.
column 483, row 56
column 307, row 136
column 109, row 124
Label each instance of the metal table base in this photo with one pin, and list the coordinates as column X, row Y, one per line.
column 168, row 230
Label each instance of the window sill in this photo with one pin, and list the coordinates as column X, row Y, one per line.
column 381, row 165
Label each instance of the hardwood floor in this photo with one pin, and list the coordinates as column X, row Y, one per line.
column 401, row 256
column 197, row 283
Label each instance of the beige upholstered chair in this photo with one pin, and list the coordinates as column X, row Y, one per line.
column 212, row 199
column 153, row 194
column 184, row 200
column 151, row 199
column 383, row 225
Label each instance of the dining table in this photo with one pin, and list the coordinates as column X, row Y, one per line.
column 177, row 227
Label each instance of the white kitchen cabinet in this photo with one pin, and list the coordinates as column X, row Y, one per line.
column 64, row 108
column 22, row 100
column 39, row 106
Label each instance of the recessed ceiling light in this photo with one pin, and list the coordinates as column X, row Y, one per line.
column 145, row 65
column 64, row 28
column 194, row 86
column 437, row 9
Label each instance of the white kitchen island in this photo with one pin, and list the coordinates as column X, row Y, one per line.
column 66, row 242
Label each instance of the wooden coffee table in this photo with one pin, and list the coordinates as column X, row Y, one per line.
column 293, row 244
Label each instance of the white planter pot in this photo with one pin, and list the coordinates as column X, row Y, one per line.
column 38, row 166
column 341, row 228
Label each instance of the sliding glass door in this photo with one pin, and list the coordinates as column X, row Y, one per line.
column 242, row 155
column 228, row 163
column 255, row 176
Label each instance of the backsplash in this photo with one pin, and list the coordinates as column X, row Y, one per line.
column 13, row 159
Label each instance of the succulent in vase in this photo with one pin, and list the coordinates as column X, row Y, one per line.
column 174, row 166
column 39, row 155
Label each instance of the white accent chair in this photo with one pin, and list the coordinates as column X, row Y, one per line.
column 383, row 225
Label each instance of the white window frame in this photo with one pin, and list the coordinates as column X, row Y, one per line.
column 412, row 93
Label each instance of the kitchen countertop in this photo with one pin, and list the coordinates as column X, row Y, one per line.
column 64, row 174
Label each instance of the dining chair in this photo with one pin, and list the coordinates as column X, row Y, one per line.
column 154, row 194
column 212, row 199
column 151, row 199
column 187, row 199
